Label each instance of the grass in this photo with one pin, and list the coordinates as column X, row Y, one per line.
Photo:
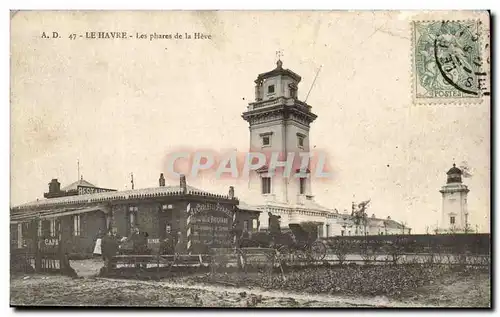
column 417, row 284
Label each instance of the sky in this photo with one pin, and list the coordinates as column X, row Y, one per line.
column 121, row 106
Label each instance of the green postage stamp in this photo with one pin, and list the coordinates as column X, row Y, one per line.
column 449, row 62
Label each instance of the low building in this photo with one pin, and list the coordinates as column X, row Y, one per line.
column 198, row 218
column 346, row 225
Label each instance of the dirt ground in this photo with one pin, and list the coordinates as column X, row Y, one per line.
column 201, row 290
column 56, row 290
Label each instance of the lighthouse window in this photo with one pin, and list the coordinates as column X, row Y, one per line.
column 270, row 89
column 300, row 141
column 266, row 140
column 302, row 185
column 452, row 220
column 266, row 185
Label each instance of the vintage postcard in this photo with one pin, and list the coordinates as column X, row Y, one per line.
column 250, row 159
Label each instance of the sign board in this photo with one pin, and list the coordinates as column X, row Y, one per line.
column 205, row 207
column 210, row 224
column 83, row 190
column 51, row 242
column 49, row 245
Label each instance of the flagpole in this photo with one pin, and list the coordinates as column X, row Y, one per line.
column 314, row 81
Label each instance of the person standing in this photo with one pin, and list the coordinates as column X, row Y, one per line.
column 98, row 244
column 274, row 227
column 180, row 247
column 135, row 239
column 109, row 246
column 167, row 244
column 139, row 241
column 236, row 231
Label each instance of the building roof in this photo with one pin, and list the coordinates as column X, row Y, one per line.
column 244, row 206
column 377, row 222
column 394, row 224
column 118, row 195
column 311, row 204
column 279, row 70
column 80, row 182
column 454, row 170
column 307, row 205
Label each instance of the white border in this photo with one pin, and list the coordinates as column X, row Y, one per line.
column 184, row 5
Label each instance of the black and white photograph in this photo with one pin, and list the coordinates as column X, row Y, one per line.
column 250, row 159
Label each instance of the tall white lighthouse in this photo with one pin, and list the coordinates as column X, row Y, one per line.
column 279, row 123
column 454, row 216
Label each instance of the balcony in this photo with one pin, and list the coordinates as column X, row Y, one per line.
column 281, row 101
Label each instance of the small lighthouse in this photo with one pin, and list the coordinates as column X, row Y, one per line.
column 454, row 215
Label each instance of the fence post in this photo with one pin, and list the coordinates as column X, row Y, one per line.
column 36, row 246
column 62, row 264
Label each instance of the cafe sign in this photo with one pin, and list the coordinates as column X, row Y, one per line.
column 84, row 190
column 205, row 207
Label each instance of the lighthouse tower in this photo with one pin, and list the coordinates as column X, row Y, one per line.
column 454, row 216
column 279, row 122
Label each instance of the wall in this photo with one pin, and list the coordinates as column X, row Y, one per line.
column 474, row 243
column 276, row 81
column 150, row 218
column 334, row 223
column 243, row 216
column 275, row 146
column 147, row 219
column 292, row 128
column 285, row 90
column 119, row 219
column 90, row 224
column 454, row 204
column 13, row 236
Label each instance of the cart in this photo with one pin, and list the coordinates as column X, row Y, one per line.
column 298, row 244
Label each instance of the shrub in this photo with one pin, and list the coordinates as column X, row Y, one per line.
column 369, row 251
column 341, row 248
column 395, row 249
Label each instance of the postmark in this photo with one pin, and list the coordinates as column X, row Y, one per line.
column 449, row 64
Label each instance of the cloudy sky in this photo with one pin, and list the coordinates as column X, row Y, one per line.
column 121, row 106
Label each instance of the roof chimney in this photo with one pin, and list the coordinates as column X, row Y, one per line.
column 373, row 215
column 162, row 180
column 183, row 184
column 231, row 192
column 54, row 186
column 388, row 217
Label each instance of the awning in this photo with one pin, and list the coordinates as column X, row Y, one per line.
column 50, row 214
column 71, row 212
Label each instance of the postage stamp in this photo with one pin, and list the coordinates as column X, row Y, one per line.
column 448, row 62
